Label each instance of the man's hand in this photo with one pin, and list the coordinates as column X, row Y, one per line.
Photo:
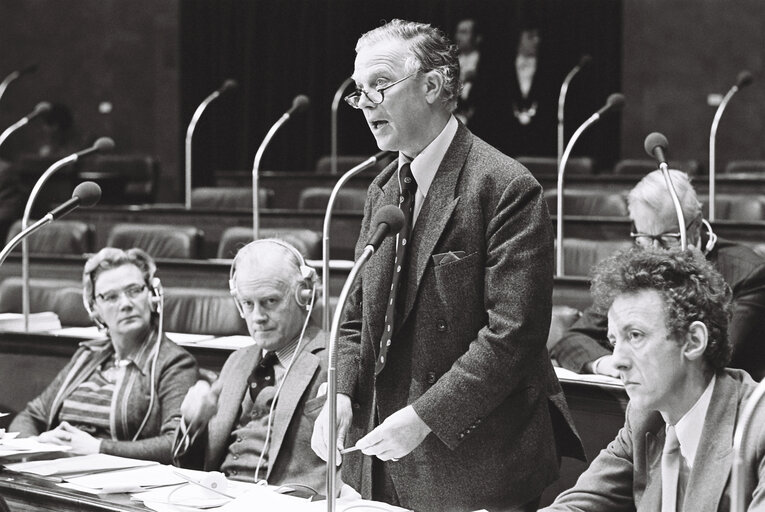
column 605, row 366
column 321, row 427
column 396, row 437
column 199, row 405
column 81, row 442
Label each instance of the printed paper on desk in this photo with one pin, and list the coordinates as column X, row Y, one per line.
column 182, row 338
column 126, row 480
column 267, row 499
column 28, row 446
column 188, row 496
column 227, row 342
column 80, row 465
column 79, row 332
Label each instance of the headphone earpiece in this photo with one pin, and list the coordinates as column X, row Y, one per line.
column 711, row 237
column 157, row 298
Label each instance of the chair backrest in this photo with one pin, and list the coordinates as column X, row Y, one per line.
column 745, row 167
column 739, row 207
column 588, row 202
column 63, row 297
column 562, row 318
column 159, row 240
column 306, row 241
column 580, row 255
column 346, row 162
column 539, row 165
column 124, row 179
column 642, row 166
column 229, row 198
column 317, row 198
column 202, row 311
column 60, row 237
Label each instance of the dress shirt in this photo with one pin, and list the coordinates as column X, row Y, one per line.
column 425, row 165
column 283, row 358
column 525, row 67
column 689, row 427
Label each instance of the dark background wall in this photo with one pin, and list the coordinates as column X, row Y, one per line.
column 155, row 60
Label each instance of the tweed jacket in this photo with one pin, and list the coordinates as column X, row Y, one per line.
column 468, row 352
column 290, row 457
column 742, row 269
column 627, row 474
column 176, row 372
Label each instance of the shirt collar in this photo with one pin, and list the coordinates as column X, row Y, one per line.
column 689, row 428
column 284, row 354
column 425, row 165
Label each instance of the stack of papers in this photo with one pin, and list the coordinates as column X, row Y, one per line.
column 10, row 446
column 70, row 467
column 227, row 342
column 126, row 480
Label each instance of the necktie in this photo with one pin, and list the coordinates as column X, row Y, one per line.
column 406, row 203
column 670, row 471
column 262, row 376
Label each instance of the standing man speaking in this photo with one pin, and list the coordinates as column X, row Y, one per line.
column 444, row 379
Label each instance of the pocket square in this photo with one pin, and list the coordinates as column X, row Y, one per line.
column 447, row 257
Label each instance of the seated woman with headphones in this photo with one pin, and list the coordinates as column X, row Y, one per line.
column 120, row 394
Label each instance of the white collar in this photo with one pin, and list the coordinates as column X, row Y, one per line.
column 425, row 165
column 689, row 428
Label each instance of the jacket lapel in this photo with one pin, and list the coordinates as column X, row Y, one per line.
column 714, row 458
column 435, row 213
column 295, row 385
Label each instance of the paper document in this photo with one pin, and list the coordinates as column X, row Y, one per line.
column 125, row 480
column 227, row 342
column 76, row 466
column 182, row 338
column 27, row 446
column 79, row 332
column 181, row 498
column 568, row 375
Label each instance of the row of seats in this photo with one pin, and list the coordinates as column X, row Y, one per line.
column 159, row 240
column 311, row 198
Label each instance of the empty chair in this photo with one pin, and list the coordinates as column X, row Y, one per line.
column 745, row 167
column 317, row 198
column 588, row 202
column 644, row 166
column 124, row 179
column 202, row 311
column 549, row 165
column 346, row 162
column 306, row 241
column 580, row 255
column 229, row 198
column 563, row 317
column 60, row 237
column 738, row 207
column 63, row 297
column 159, row 240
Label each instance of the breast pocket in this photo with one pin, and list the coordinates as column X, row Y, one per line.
column 457, row 282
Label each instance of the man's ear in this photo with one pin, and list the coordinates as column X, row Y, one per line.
column 434, row 85
column 696, row 341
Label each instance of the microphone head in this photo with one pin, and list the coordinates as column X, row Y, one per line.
column 615, row 101
column 744, row 78
column 390, row 215
column 655, row 141
column 42, row 108
column 228, row 85
column 103, row 144
column 88, row 193
column 584, row 60
column 300, row 103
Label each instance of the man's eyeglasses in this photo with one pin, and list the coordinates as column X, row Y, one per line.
column 113, row 296
column 664, row 240
column 376, row 95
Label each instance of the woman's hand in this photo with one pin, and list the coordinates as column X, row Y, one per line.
column 81, row 442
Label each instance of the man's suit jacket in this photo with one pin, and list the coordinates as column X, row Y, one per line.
column 627, row 474
column 742, row 269
column 469, row 350
column 290, row 457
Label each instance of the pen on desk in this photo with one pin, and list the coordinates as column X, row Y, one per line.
column 349, row 450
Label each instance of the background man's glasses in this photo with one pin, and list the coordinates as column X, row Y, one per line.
column 664, row 240
column 375, row 96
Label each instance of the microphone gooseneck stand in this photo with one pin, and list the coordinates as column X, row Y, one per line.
column 335, row 106
column 40, row 108
column 656, row 146
column 562, row 101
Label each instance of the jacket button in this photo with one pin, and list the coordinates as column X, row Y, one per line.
column 355, row 406
column 431, row 378
column 441, row 325
column 461, row 436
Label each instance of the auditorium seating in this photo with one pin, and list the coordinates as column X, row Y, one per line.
column 580, row 255
column 317, row 198
column 562, row 318
column 539, row 165
column 124, row 179
column 306, row 241
column 745, row 167
column 347, row 162
column 588, row 202
column 736, row 207
column 60, row 237
column 642, row 167
column 64, row 297
column 229, row 198
column 159, row 240
column 202, row 311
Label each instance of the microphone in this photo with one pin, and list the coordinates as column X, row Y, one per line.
column 389, row 221
column 31, row 68
column 86, row 194
column 743, row 79
column 40, row 108
column 614, row 103
column 583, row 61
column 227, row 85
column 656, row 146
column 299, row 104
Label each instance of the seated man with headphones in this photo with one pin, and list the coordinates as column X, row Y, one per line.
column 584, row 348
column 256, row 420
column 120, row 394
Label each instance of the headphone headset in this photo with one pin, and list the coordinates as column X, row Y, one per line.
column 305, row 295
column 711, row 236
